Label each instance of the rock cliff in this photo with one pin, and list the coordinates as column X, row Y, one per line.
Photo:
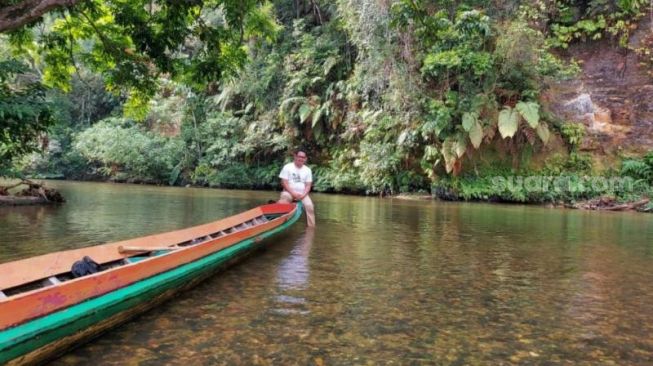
column 612, row 96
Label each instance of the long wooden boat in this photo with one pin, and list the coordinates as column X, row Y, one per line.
column 44, row 310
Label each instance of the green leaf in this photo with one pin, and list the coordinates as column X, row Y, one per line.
column 461, row 146
column 304, row 111
column 316, row 117
column 476, row 135
column 530, row 111
column 508, row 120
column 402, row 137
column 469, row 119
column 329, row 63
column 543, row 132
column 447, row 154
column 174, row 175
column 318, row 132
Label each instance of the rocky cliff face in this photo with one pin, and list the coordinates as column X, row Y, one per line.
column 613, row 95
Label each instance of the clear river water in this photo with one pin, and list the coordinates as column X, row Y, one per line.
column 379, row 281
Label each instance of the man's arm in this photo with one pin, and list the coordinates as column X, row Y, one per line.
column 306, row 190
column 286, row 187
column 308, row 184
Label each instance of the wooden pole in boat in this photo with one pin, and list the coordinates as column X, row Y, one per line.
column 122, row 249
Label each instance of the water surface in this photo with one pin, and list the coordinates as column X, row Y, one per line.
column 379, row 281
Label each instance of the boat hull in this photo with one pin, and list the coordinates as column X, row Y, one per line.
column 49, row 336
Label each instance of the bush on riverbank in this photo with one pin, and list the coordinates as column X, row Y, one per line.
column 534, row 188
column 115, row 148
column 565, row 182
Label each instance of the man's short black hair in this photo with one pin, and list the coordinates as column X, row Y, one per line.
column 297, row 151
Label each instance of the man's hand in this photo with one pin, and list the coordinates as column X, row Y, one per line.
column 286, row 187
column 306, row 191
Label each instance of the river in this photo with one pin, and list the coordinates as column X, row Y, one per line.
column 379, row 281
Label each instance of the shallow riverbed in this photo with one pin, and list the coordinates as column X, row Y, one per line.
column 380, row 281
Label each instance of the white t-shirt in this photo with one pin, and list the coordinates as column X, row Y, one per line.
column 297, row 177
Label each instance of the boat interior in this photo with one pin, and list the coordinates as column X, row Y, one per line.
column 126, row 254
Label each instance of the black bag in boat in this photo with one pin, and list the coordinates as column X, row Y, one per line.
column 84, row 267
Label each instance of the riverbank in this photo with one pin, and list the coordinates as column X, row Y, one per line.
column 565, row 190
column 474, row 191
column 604, row 203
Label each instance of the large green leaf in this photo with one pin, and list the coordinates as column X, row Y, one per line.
column 543, row 132
column 476, row 134
column 508, row 120
column 461, row 146
column 304, row 111
column 316, row 117
column 448, row 155
column 530, row 111
column 288, row 107
column 469, row 119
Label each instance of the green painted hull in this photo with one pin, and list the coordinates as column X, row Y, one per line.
column 115, row 307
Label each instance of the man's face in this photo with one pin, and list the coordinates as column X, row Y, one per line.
column 300, row 159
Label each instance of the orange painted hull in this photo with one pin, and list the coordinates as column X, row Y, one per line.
column 22, row 307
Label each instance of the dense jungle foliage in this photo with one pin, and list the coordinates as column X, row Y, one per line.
column 385, row 96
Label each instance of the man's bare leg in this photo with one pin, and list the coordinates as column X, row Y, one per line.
column 285, row 197
column 310, row 211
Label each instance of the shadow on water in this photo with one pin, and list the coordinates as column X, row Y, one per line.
column 377, row 281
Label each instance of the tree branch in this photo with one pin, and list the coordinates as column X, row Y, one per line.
column 108, row 45
column 28, row 11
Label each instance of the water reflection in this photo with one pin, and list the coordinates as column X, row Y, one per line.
column 293, row 277
column 293, row 271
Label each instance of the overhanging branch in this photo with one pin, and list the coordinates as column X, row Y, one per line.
column 28, row 11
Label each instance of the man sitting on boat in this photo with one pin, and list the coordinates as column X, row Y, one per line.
column 296, row 180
